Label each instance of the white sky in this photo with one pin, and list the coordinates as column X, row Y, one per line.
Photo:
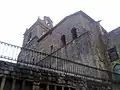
column 17, row 15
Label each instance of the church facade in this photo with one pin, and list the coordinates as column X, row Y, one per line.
column 78, row 39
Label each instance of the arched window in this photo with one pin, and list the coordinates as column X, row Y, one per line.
column 74, row 33
column 112, row 52
column 63, row 39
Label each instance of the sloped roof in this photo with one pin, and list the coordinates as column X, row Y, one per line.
column 79, row 12
column 116, row 29
column 115, row 32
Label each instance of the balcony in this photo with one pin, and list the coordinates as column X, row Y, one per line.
column 38, row 60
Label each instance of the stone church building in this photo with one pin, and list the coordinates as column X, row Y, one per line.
column 77, row 37
column 78, row 46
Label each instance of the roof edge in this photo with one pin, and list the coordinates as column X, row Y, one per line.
column 79, row 12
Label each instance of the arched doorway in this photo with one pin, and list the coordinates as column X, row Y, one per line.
column 116, row 70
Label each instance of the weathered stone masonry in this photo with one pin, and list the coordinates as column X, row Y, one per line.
column 87, row 48
column 21, row 77
column 78, row 38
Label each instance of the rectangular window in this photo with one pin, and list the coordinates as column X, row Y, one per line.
column 51, row 48
column 113, row 54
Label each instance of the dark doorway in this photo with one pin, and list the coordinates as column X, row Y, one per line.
column 51, row 87
column 66, row 88
column 72, row 89
column 59, row 87
column 28, row 85
column 43, row 87
column 8, row 84
column 18, row 85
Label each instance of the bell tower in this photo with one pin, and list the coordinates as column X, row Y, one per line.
column 36, row 31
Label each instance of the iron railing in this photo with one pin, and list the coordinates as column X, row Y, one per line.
column 38, row 59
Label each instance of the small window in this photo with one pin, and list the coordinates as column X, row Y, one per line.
column 33, row 59
column 74, row 33
column 63, row 39
column 51, row 48
column 113, row 54
column 29, row 37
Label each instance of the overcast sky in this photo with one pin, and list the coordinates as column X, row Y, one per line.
column 17, row 15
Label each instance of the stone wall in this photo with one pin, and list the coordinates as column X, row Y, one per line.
column 38, row 29
column 115, row 38
column 21, row 77
column 15, row 76
column 88, row 48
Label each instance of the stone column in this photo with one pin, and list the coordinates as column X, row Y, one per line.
column 23, row 85
column 69, row 88
column 47, row 87
column 36, row 86
column 62, row 88
column 13, row 84
column 3, row 83
column 33, row 88
column 55, row 87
